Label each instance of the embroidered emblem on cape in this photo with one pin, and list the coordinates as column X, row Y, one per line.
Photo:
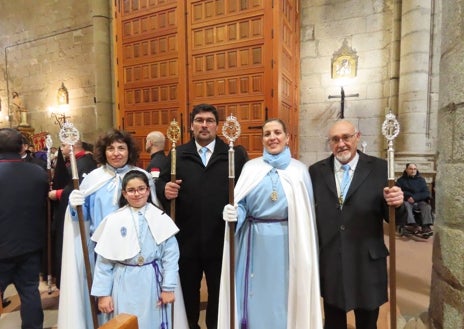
column 123, row 231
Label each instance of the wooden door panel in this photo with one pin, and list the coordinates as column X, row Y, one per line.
column 239, row 55
column 227, row 44
column 151, row 60
column 286, row 56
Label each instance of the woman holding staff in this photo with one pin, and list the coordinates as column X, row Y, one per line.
column 277, row 280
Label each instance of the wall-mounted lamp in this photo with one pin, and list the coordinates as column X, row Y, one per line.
column 59, row 112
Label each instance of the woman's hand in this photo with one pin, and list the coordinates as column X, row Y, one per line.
column 166, row 298
column 105, row 304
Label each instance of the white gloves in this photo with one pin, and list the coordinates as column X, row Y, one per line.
column 229, row 214
column 76, row 198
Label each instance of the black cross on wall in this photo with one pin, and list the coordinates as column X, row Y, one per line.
column 342, row 101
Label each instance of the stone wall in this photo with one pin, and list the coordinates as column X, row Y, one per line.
column 447, row 294
column 398, row 47
column 62, row 44
column 366, row 25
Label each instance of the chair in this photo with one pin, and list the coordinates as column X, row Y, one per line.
column 408, row 230
column 122, row 321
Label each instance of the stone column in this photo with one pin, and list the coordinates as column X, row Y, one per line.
column 414, row 143
column 103, row 71
column 447, row 289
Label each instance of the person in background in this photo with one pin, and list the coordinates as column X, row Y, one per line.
column 352, row 201
column 155, row 146
column 23, row 196
column 98, row 195
column 200, row 193
column 28, row 155
column 136, row 270
column 53, row 157
column 416, row 196
column 276, row 232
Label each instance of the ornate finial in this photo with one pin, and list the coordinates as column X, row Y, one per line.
column 173, row 131
column 69, row 134
column 231, row 129
column 390, row 127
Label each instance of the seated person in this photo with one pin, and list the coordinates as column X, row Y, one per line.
column 416, row 197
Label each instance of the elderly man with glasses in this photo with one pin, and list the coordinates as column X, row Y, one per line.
column 352, row 201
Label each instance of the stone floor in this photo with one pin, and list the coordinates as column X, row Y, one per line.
column 414, row 264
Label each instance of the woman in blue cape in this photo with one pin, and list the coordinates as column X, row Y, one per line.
column 276, row 266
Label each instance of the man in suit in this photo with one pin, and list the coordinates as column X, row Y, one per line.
column 349, row 216
column 201, row 192
column 22, row 208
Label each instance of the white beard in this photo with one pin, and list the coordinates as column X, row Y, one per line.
column 343, row 157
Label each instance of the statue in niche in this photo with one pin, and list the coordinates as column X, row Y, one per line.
column 19, row 111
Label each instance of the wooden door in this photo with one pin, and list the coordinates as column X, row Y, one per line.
column 287, row 66
column 239, row 55
column 151, row 66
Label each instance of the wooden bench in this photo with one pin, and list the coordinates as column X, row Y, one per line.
column 122, row 321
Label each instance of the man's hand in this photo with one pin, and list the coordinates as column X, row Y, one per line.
column 171, row 190
column 393, row 196
column 52, row 195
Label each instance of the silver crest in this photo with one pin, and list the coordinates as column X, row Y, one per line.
column 69, row 134
column 390, row 127
column 231, row 129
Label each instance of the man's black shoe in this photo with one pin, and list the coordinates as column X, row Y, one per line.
column 426, row 232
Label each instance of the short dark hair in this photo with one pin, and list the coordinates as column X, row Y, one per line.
column 10, row 140
column 204, row 108
column 116, row 136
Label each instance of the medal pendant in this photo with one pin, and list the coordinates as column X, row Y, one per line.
column 274, row 196
column 140, row 261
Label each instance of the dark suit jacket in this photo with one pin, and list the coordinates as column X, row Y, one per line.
column 23, row 196
column 203, row 194
column 353, row 268
column 157, row 160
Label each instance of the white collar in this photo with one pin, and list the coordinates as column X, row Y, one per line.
column 210, row 146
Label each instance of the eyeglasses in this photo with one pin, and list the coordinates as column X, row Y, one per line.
column 344, row 138
column 140, row 190
column 209, row 121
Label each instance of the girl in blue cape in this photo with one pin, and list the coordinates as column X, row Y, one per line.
column 137, row 257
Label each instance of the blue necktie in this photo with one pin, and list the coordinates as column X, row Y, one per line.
column 345, row 181
column 204, row 149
